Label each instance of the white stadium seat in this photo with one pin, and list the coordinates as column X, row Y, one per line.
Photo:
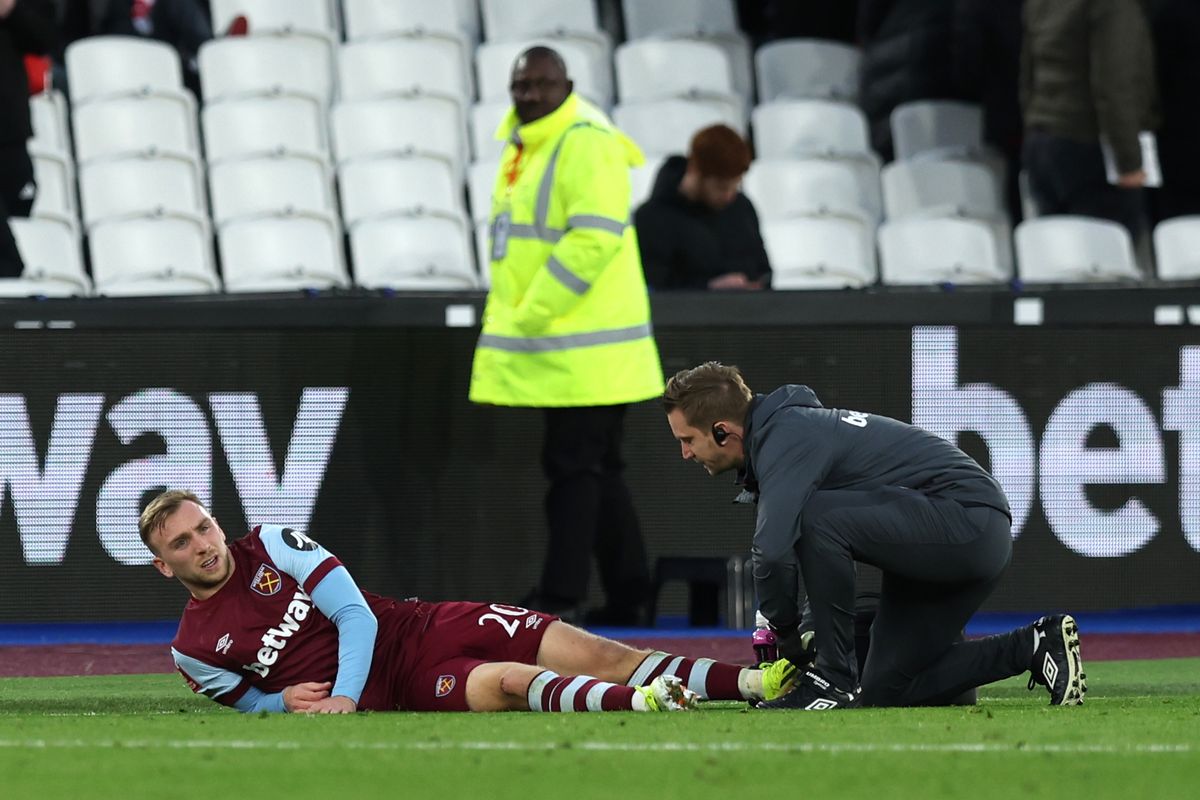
column 48, row 115
column 807, row 128
column 651, row 69
column 1071, row 249
column 371, row 18
column 645, row 18
column 641, row 180
column 485, row 120
column 314, row 17
column 269, row 186
column 588, row 68
column 783, row 188
column 273, row 254
column 666, row 127
column 262, row 126
column 152, row 257
column 940, row 189
column 377, row 68
column 417, row 187
column 412, row 254
column 53, row 260
column 938, row 129
column 140, row 187
column 819, row 253
column 136, row 126
column 55, row 178
column 481, row 178
column 807, row 68
column 237, row 66
column 421, row 126
column 521, row 19
column 108, row 66
column 935, row 251
column 1177, row 248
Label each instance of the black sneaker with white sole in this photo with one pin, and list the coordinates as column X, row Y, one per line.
column 1056, row 663
column 813, row 692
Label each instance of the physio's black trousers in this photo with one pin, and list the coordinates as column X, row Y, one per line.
column 940, row 561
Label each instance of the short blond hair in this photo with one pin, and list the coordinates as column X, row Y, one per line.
column 708, row 394
column 155, row 515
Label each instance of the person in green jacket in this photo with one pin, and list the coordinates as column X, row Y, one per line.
column 567, row 327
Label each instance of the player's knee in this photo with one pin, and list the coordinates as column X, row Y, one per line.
column 514, row 682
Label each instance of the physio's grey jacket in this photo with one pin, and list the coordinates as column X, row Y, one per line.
column 795, row 447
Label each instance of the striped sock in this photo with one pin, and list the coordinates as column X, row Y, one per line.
column 711, row 680
column 552, row 692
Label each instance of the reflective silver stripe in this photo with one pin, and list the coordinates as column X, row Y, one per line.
column 546, row 344
column 551, row 235
column 543, row 197
column 566, row 277
column 595, row 221
column 641, row 675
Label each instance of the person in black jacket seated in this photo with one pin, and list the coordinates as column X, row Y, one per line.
column 697, row 230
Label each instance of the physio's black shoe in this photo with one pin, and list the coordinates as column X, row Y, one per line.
column 813, row 692
column 1056, row 663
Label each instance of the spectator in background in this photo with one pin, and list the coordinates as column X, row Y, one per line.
column 697, row 230
column 1175, row 25
column 986, row 60
column 768, row 20
column 906, row 50
column 1087, row 74
column 26, row 26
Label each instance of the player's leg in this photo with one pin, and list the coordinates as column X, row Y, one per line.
column 569, row 650
column 509, row 686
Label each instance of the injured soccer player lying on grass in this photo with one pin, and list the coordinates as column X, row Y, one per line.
column 276, row 623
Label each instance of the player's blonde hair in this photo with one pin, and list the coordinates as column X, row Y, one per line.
column 708, row 394
column 160, row 508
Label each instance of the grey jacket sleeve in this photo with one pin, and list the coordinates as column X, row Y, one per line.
column 790, row 465
column 1121, row 76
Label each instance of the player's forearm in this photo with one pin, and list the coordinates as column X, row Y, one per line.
column 356, row 645
column 254, row 700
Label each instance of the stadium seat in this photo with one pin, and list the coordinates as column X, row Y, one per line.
column 697, row 18
column 1177, row 248
column 48, row 115
column 419, row 126
column 152, row 257
column 588, row 68
column 1072, row 249
column 808, row 128
column 935, row 251
column 378, row 68
column 235, row 67
column 53, row 260
column 666, row 127
column 804, row 68
column 366, row 19
column 485, row 119
column 110, row 66
column 480, row 181
column 521, row 19
column 262, row 126
column 783, row 188
column 310, row 17
column 276, row 254
column 937, row 128
column 641, row 180
column 417, row 187
column 140, row 187
column 409, row 253
column 940, row 189
column 468, row 12
column 651, row 69
column 136, row 126
column 278, row 186
column 55, row 177
column 819, row 253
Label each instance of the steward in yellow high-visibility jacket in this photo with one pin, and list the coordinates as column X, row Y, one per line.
column 567, row 322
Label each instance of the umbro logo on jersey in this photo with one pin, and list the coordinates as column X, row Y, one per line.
column 224, row 643
column 266, row 581
column 445, row 685
column 533, row 621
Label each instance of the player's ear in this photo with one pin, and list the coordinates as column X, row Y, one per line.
column 162, row 567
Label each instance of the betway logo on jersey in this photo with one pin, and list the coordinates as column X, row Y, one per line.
column 275, row 639
column 46, row 485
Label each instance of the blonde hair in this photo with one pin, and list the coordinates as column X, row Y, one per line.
column 155, row 515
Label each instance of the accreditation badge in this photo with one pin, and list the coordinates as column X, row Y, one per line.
column 501, row 226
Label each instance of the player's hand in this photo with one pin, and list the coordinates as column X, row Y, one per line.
column 1132, row 180
column 338, row 704
column 302, row 696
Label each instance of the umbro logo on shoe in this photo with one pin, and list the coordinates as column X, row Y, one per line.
column 1049, row 669
column 821, row 705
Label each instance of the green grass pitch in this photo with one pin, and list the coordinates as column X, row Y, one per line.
column 139, row 736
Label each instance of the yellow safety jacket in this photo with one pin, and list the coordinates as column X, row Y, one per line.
column 567, row 321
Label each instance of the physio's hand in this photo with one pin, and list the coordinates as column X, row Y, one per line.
column 730, row 280
column 1132, row 180
column 338, row 704
column 302, row 696
column 6, row 7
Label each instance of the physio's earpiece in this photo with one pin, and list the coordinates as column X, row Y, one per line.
column 720, row 435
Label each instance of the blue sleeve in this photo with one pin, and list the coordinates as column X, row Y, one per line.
column 335, row 595
column 219, row 684
column 256, row 700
